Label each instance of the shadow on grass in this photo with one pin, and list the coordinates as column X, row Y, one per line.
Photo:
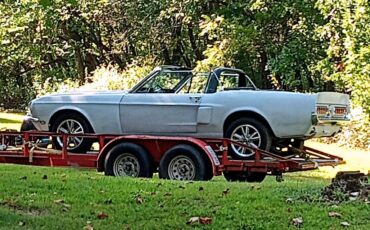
column 8, row 121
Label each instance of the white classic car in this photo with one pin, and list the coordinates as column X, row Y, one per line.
column 177, row 101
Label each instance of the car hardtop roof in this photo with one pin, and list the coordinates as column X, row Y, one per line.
column 216, row 70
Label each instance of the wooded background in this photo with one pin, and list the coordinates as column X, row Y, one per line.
column 295, row 45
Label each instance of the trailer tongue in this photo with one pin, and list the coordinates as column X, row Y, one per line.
column 181, row 158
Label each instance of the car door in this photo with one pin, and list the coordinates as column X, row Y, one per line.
column 155, row 112
column 159, row 113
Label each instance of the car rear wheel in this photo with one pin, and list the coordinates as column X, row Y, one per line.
column 71, row 123
column 247, row 131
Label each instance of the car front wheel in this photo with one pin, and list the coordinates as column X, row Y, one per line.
column 247, row 131
column 72, row 124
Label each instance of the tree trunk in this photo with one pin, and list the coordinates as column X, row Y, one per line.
column 266, row 84
column 80, row 64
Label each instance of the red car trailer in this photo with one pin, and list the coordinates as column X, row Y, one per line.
column 179, row 158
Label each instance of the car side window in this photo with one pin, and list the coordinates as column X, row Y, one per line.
column 231, row 80
column 196, row 84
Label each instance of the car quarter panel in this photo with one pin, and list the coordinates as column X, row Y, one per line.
column 100, row 109
column 288, row 114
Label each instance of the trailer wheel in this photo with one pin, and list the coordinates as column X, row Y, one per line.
column 183, row 162
column 245, row 176
column 128, row 159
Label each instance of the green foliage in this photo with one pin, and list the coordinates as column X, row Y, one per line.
column 347, row 33
column 306, row 46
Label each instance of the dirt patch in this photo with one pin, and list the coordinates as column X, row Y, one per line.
column 350, row 185
column 33, row 211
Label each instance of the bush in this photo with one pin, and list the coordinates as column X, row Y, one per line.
column 356, row 133
column 111, row 78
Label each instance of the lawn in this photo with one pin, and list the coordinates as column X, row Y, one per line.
column 59, row 198
column 10, row 120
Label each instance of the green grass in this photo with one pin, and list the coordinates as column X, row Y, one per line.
column 28, row 198
column 10, row 120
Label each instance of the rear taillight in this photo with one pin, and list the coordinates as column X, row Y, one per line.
column 340, row 111
column 322, row 110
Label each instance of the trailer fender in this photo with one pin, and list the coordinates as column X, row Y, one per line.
column 158, row 146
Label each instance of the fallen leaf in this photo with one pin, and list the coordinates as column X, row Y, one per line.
column 289, row 200
column 101, row 215
column 21, row 223
column 88, row 226
column 59, row 201
column 139, row 200
column 335, row 214
column 355, row 194
column 225, row 192
column 297, row 221
column 193, row 220
column 200, row 220
column 205, row 220
column 345, row 224
column 67, row 205
column 45, row 177
column 201, row 188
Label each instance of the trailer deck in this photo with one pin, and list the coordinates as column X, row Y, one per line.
column 174, row 157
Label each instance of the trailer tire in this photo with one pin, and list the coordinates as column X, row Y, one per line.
column 128, row 159
column 245, row 176
column 183, row 162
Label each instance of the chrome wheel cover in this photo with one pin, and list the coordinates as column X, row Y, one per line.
column 246, row 134
column 70, row 126
column 181, row 168
column 126, row 164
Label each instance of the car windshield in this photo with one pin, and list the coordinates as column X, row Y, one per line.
column 165, row 82
column 186, row 81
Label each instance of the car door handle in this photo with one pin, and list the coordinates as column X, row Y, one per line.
column 195, row 99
